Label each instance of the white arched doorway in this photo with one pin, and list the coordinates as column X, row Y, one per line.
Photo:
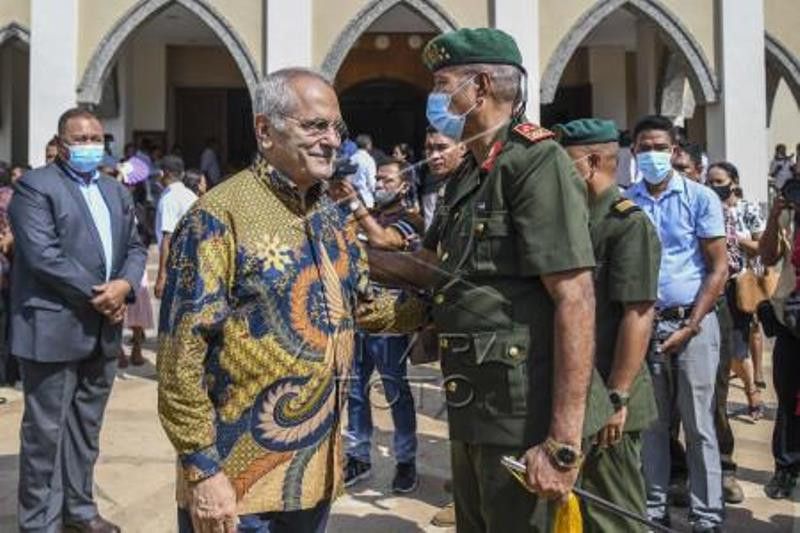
column 176, row 73
column 377, row 70
column 625, row 58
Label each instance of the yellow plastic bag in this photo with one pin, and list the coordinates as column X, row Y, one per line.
column 568, row 516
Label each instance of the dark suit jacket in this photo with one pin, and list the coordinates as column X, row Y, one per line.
column 58, row 259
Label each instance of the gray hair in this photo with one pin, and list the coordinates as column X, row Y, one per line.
column 506, row 79
column 276, row 97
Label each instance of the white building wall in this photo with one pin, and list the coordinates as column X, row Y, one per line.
column 520, row 18
column 785, row 121
column 288, row 40
column 737, row 125
column 607, row 76
column 53, row 72
column 149, row 72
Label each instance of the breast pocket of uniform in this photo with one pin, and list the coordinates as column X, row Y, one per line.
column 487, row 370
column 493, row 242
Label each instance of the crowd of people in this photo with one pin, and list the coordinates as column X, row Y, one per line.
column 588, row 294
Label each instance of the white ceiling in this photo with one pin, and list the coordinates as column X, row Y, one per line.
column 402, row 19
column 618, row 29
column 179, row 26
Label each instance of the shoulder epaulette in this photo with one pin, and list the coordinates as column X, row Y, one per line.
column 533, row 132
column 624, row 207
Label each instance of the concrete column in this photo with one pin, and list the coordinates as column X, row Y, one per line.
column 646, row 68
column 53, row 70
column 288, row 39
column 520, row 18
column 607, row 76
column 737, row 125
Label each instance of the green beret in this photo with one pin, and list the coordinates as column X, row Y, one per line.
column 470, row 46
column 586, row 131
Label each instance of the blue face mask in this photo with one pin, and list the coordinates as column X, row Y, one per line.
column 440, row 117
column 85, row 158
column 655, row 166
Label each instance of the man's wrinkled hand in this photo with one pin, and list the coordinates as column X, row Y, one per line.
column 109, row 297
column 212, row 505
column 611, row 434
column 677, row 341
column 544, row 478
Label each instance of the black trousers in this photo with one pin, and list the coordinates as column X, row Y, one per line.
column 64, row 407
column 786, row 379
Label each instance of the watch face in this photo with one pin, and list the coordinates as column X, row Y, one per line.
column 566, row 456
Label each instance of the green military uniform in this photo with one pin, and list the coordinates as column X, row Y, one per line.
column 501, row 225
column 628, row 252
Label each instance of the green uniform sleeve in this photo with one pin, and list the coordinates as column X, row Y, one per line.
column 549, row 208
column 634, row 262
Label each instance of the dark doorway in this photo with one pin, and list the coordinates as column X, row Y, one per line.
column 390, row 111
column 570, row 103
column 223, row 114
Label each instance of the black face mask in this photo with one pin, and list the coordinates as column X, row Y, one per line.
column 723, row 191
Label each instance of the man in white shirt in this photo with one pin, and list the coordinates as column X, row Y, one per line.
column 364, row 178
column 175, row 201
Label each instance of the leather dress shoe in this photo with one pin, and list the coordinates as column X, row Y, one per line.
column 98, row 524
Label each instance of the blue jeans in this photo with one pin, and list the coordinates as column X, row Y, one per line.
column 386, row 353
column 685, row 381
column 312, row 520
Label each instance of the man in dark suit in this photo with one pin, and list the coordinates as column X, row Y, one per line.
column 78, row 262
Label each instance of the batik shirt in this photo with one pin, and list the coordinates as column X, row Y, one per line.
column 256, row 336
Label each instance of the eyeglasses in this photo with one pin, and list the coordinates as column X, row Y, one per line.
column 317, row 127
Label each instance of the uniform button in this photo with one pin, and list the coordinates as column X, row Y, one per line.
column 445, row 256
column 479, row 229
column 438, row 299
column 452, row 386
column 514, row 352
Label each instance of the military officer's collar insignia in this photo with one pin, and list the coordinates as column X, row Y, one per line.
column 624, row 207
column 533, row 133
column 488, row 164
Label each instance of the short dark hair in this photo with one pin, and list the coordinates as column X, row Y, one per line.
column 695, row 152
column 74, row 112
column 192, row 179
column 728, row 168
column 363, row 140
column 172, row 164
column 402, row 166
column 406, row 150
column 654, row 122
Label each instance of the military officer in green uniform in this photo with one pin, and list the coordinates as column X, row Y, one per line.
column 509, row 258
column 628, row 253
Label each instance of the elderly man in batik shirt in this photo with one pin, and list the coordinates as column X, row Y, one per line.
column 256, row 328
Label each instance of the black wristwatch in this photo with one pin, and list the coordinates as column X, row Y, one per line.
column 563, row 456
column 619, row 399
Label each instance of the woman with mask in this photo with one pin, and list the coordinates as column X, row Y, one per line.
column 744, row 226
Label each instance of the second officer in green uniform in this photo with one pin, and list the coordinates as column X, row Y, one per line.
column 628, row 254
